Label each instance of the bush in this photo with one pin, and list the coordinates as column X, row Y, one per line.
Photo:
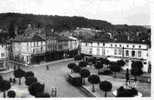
column 19, row 73
column 29, row 74
column 42, row 95
column 82, row 64
column 122, row 92
column 11, row 94
column 30, row 80
column 105, row 86
column 76, row 69
column 35, row 88
column 4, row 86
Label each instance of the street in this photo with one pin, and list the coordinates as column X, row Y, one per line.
column 54, row 78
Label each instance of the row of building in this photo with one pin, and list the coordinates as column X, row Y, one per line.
column 24, row 47
column 116, row 51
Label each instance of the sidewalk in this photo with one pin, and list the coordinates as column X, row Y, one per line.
column 6, row 71
column 143, row 88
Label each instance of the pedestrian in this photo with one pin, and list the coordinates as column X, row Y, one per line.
column 11, row 80
column 52, row 92
column 14, row 80
column 47, row 67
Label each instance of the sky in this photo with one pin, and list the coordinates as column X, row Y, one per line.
column 131, row 12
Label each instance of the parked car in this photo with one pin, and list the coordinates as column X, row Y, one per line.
column 75, row 79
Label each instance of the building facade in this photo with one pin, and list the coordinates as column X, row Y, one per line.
column 112, row 50
column 3, row 55
column 25, row 47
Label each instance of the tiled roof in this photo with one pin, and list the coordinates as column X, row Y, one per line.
column 111, row 41
column 21, row 38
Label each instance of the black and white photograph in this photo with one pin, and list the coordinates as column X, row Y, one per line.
column 75, row 48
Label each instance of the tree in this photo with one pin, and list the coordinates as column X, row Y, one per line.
column 93, row 79
column 105, row 61
column 11, row 94
column 82, row 64
column 19, row 73
column 115, row 68
column 11, row 29
column 1, row 78
column 98, row 66
column 71, row 65
column 29, row 74
column 4, row 86
column 42, row 95
column 77, row 57
column 106, row 86
column 136, row 69
column 36, row 87
column 120, row 62
column 84, row 73
column 76, row 69
column 126, row 92
column 30, row 80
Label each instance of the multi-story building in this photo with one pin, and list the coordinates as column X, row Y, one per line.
column 116, row 51
column 25, row 47
column 3, row 55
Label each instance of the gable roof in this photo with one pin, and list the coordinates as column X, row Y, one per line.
column 31, row 38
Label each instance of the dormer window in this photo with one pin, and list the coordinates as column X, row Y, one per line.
column 133, row 46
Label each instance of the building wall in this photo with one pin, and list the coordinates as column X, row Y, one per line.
column 3, row 52
column 118, row 50
column 26, row 49
column 3, row 55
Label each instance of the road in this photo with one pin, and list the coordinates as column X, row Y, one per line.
column 55, row 78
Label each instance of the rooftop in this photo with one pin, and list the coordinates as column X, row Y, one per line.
column 21, row 38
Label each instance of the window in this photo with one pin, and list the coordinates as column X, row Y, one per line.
column 111, row 45
column 120, row 45
column 115, row 51
column 37, row 43
column 133, row 53
column 139, row 46
column 98, row 51
column 127, row 45
column 103, row 44
column 139, row 53
column 103, row 51
column 115, row 45
column 2, row 54
column 127, row 53
column 120, row 51
column 90, row 51
column 133, row 46
column 86, row 44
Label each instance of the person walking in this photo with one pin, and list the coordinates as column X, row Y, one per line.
column 47, row 67
column 52, row 92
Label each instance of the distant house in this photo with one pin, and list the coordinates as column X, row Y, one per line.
column 26, row 46
column 117, row 50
